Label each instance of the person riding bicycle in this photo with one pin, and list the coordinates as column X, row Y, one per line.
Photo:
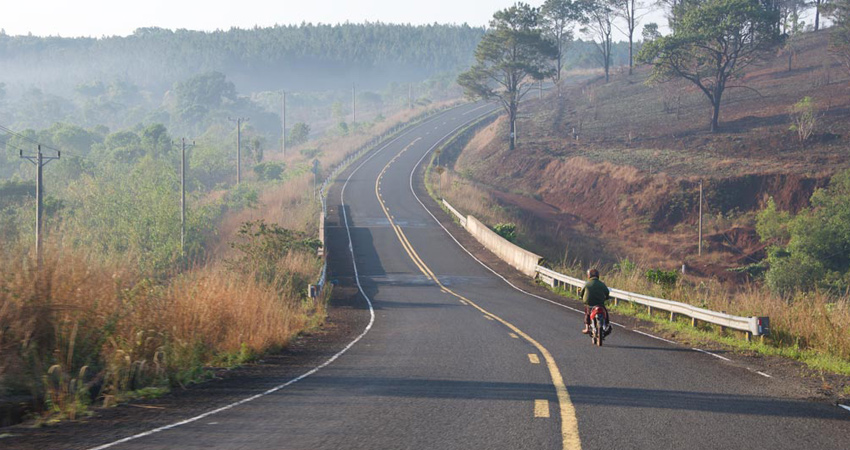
column 594, row 293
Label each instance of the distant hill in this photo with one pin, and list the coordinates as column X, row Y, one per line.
column 625, row 159
column 305, row 57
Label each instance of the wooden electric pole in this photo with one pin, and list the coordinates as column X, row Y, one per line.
column 283, row 124
column 354, row 103
column 238, row 121
column 183, row 195
column 40, row 161
column 699, row 243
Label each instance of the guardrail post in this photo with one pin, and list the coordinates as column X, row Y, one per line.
column 693, row 322
column 672, row 316
column 649, row 310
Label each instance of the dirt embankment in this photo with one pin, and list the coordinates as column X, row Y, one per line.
column 613, row 170
column 635, row 214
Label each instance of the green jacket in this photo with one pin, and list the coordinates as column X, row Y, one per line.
column 594, row 292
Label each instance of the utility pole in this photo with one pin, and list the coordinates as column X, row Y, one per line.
column 315, row 175
column 238, row 121
column 540, row 90
column 40, row 161
column 354, row 102
column 183, row 195
column 410, row 96
column 699, row 244
column 283, row 124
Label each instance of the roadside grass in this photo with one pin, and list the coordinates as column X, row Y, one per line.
column 812, row 328
column 88, row 330
column 80, row 331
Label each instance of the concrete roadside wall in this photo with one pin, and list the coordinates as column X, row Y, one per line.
column 523, row 260
column 460, row 217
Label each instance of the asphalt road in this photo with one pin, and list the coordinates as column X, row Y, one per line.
column 456, row 358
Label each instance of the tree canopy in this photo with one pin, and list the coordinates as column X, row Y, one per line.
column 712, row 43
column 511, row 54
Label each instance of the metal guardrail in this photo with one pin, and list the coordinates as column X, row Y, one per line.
column 317, row 289
column 753, row 326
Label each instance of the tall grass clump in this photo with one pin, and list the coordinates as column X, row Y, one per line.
column 82, row 331
column 813, row 326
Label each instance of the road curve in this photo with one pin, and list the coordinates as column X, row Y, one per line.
column 457, row 358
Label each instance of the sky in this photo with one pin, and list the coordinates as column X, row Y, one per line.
column 97, row 18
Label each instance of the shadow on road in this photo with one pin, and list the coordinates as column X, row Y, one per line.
column 702, row 401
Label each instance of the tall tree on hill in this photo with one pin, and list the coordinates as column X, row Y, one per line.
column 630, row 11
column 558, row 17
column 819, row 5
column 789, row 16
column 598, row 20
column 510, row 54
column 839, row 39
column 712, row 44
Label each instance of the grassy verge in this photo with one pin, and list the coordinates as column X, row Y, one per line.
column 813, row 329
column 785, row 342
column 93, row 329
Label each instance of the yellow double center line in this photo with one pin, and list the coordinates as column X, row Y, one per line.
column 569, row 423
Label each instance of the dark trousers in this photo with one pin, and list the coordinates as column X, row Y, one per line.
column 587, row 310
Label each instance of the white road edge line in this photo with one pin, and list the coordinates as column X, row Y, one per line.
column 763, row 374
column 712, row 354
column 416, row 167
column 317, row 368
column 655, row 337
column 845, row 407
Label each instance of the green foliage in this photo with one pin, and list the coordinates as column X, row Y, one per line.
column 625, row 266
column 558, row 18
column 512, row 51
column 772, row 225
column 650, row 32
column 209, row 90
column 506, row 230
column 310, row 152
column 299, row 134
column 269, row 170
column 817, row 254
column 261, row 246
column 211, row 165
column 803, row 116
column 135, row 213
column 839, row 38
column 664, row 278
column 712, row 43
column 242, row 196
column 255, row 148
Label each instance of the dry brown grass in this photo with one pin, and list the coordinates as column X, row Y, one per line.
column 468, row 198
column 812, row 322
column 81, row 329
column 90, row 328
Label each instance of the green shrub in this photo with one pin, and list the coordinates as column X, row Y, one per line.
column 506, row 230
column 812, row 249
column 664, row 278
column 269, row 170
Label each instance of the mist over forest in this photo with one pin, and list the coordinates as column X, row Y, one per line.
column 119, row 82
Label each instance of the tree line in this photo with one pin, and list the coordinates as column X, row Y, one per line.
column 710, row 44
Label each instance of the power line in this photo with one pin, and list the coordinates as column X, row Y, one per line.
column 26, row 138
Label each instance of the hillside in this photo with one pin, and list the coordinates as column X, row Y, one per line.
column 614, row 169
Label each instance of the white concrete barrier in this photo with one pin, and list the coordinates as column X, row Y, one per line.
column 518, row 257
